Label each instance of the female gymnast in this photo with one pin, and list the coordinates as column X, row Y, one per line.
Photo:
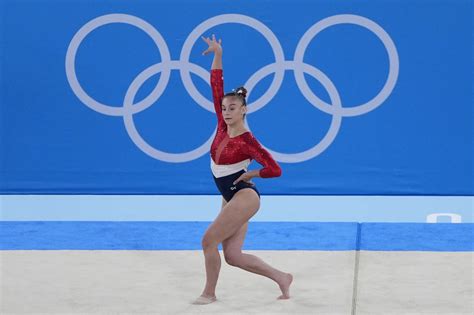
column 232, row 150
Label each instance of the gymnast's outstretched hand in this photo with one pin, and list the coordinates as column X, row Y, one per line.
column 214, row 46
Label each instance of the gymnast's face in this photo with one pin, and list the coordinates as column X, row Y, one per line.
column 232, row 110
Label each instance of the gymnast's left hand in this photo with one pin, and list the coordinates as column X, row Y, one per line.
column 246, row 177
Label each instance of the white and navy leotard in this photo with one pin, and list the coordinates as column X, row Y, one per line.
column 230, row 157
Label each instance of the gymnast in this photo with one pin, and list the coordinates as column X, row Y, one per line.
column 232, row 150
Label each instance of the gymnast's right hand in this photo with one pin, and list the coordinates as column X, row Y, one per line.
column 214, row 46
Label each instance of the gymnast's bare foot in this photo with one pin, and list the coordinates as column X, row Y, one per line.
column 204, row 299
column 284, row 284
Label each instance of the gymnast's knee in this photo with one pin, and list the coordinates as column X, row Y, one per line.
column 208, row 242
column 233, row 259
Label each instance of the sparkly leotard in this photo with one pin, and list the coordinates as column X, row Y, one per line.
column 230, row 157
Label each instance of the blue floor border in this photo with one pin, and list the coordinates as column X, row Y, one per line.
column 162, row 235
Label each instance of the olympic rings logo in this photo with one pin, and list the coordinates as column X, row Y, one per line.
column 278, row 67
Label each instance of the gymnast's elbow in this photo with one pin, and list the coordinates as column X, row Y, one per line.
column 278, row 172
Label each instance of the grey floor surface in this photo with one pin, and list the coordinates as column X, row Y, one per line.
column 165, row 282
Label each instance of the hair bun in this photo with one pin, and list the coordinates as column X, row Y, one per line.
column 242, row 91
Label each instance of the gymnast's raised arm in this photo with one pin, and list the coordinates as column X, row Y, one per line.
column 217, row 81
column 215, row 47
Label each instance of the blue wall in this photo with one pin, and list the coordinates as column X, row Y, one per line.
column 95, row 136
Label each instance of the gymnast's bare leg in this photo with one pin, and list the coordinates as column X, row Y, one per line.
column 229, row 228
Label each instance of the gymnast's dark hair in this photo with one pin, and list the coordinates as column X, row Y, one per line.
column 240, row 93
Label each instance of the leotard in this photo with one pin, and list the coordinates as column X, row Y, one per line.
column 230, row 157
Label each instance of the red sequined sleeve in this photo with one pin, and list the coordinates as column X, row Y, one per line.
column 217, row 85
column 262, row 156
